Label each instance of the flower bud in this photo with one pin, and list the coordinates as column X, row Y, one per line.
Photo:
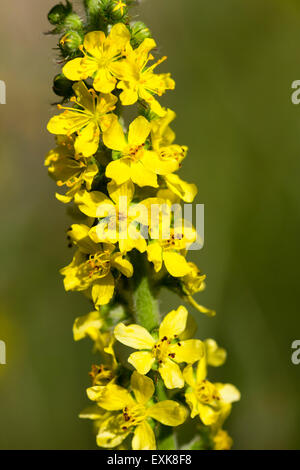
column 58, row 14
column 70, row 42
column 62, row 86
column 139, row 32
column 117, row 10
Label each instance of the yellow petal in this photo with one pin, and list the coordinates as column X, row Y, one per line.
column 229, row 393
column 94, row 413
column 168, row 412
column 122, row 264
column 143, row 387
column 144, row 438
column 119, row 171
column 114, row 137
column 186, row 191
column 87, row 325
column 112, row 397
column 188, row 375
column 201, row 372
column 87, row 141
column 215, row 355
column 139, row 130
column 152, row 161
column 90, row 203
column 134, row 336
column 110, row 434
column 171, row 374
column 176, row 264
column 104, row 81
column 141, row 176
column 119, row 34
column 154, row 253
column 192, row 401
column 207, row 414
column 142, row 361
column 174, row 323
column 93, row 42
column 103, row 290
column 74, row 70
column 189, row 351
column 117, row 191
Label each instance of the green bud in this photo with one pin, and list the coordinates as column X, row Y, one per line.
column 58, row 14
column 62, row 86
column 69, row 43
column 73, row 21
column 139, row 32
column 117, row 10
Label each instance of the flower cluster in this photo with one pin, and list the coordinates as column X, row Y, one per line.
column 117, row 172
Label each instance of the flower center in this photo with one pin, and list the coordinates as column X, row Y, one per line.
column 97, row 266
column 207, row 393
column 161, row 350
column 133, row 416
column 135, row 153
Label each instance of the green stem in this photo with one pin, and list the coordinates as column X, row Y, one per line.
column 145, row 305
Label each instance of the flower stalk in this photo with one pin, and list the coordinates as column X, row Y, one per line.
column 120, row 178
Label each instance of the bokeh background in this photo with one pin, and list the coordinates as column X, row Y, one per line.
column 234, row 62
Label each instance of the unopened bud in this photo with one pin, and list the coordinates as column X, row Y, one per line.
column 70, row 43
column 62, row 86
column 58, row 14
column 139, row 32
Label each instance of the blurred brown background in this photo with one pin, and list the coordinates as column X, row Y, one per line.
column 234, row 62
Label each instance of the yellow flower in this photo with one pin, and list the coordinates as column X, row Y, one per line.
column 100, row 52
column 215, row 356
column 69, row 169
column 136, row 162
column 114, row 216
column 138, row 80
column 90, row 269
column 205, row 399
column 166, row 352
column 192, row 283
column 137, row 413
column 222, row 440
column 90, row 116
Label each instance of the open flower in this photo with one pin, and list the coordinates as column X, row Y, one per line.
column 69, row 169
column 90, row 269
column 166, row 352
column 137, row 413
column 100, row 52
column 90, row 115
column 206, row 399
column 136, row 162
column 115, row 215
column 138, row 80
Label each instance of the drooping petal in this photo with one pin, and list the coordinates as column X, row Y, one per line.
column 168, row 412
column 176, row 264
column 189, row 376
column 174, row 323
column 215, row 355
column 134, row 336
column 87, row 325
column 186, row 191
column 144, row 438
column 188, row 351
column 193, row 403
column 201, row 371
column 110, row 433
column 122, row 264
column 171, row 374
column 154, row 253
column 142, row 361
column 103, row 290
column 87, row 141
column 207, row 414
column 143, row 387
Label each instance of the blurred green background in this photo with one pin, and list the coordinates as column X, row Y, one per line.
column 234, row 62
